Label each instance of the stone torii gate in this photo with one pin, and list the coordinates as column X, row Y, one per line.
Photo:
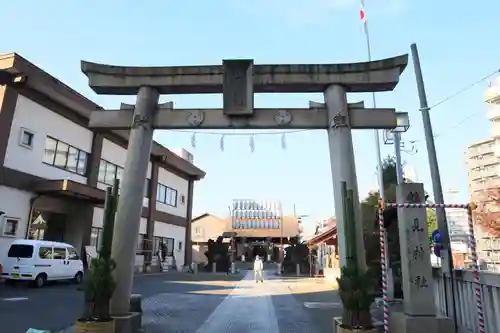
column 237, row 80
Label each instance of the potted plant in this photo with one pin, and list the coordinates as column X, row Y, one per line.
column 356, row 294
column 355, row 285
column 99, row 284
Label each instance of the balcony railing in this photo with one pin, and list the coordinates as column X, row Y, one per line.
column 465, row 302
column 486, row 185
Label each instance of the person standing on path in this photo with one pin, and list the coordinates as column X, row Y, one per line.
column 258, row 268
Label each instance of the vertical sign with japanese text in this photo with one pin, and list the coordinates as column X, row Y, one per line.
column 415, row 252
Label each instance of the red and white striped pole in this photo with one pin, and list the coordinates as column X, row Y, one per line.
column 475, row 265
column 383, row 266
column 472, row 245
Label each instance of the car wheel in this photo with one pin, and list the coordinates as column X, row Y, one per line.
column 78, row 278
column 40, row 280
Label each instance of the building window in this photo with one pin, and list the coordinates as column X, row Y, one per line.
column 166, row 195
column 26, row 138
column 183, row 199
column 140, row 243
column 108, row 172
column 64, row 156
column 10, row 226
column 96, row 237
column 179, row 248
column 169, row 242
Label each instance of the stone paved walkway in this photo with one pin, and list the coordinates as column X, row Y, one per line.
column 250, row 307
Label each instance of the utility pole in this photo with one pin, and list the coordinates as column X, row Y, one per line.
column 431, row 152
column 447, row 262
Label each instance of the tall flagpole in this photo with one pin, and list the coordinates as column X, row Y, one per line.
column 390, row 284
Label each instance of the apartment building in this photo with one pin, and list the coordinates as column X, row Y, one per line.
column 54, row 170
column 483, row 163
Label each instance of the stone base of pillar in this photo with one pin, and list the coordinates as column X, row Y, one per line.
column 403, row 323
column 129, row 323
column 278, row 268
column 268, row 257
column 297, row 269
column 194, row 267
column 242, row 258
column 233, row 268
column 337, row 327
column 214, row 267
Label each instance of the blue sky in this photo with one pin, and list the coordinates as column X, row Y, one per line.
column 456, row 44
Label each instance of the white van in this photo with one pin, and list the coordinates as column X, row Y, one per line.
column 42, row 261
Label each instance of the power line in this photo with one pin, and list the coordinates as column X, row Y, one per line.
column 455, row 94
column 459, row 92
column 458, row 124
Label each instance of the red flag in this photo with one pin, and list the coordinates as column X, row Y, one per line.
column 362, row 14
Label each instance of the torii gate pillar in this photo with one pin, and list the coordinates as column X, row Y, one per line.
column 128, row 213
column 343, row 168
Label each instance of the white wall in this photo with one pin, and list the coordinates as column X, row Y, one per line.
column 99, row 214
column 178, row 234
column 177, row 183
column 116, row 154
column 42, row 122
column 14, row 203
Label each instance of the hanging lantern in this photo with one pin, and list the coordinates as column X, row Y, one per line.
column 252, row 143
column 283, row 141
column 221, row 143
column 193, row 140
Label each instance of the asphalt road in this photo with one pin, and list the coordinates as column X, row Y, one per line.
column 57, row 306
column 202, row 303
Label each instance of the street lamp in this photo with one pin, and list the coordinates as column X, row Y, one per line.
column 9, row 78
column 402, row 125
column 402, row 122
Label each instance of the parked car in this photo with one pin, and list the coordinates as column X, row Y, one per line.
column 41, row 261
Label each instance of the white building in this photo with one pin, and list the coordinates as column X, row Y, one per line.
column 483, row 164
column 53, row 170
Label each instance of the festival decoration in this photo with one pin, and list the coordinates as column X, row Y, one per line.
column 253, row 214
